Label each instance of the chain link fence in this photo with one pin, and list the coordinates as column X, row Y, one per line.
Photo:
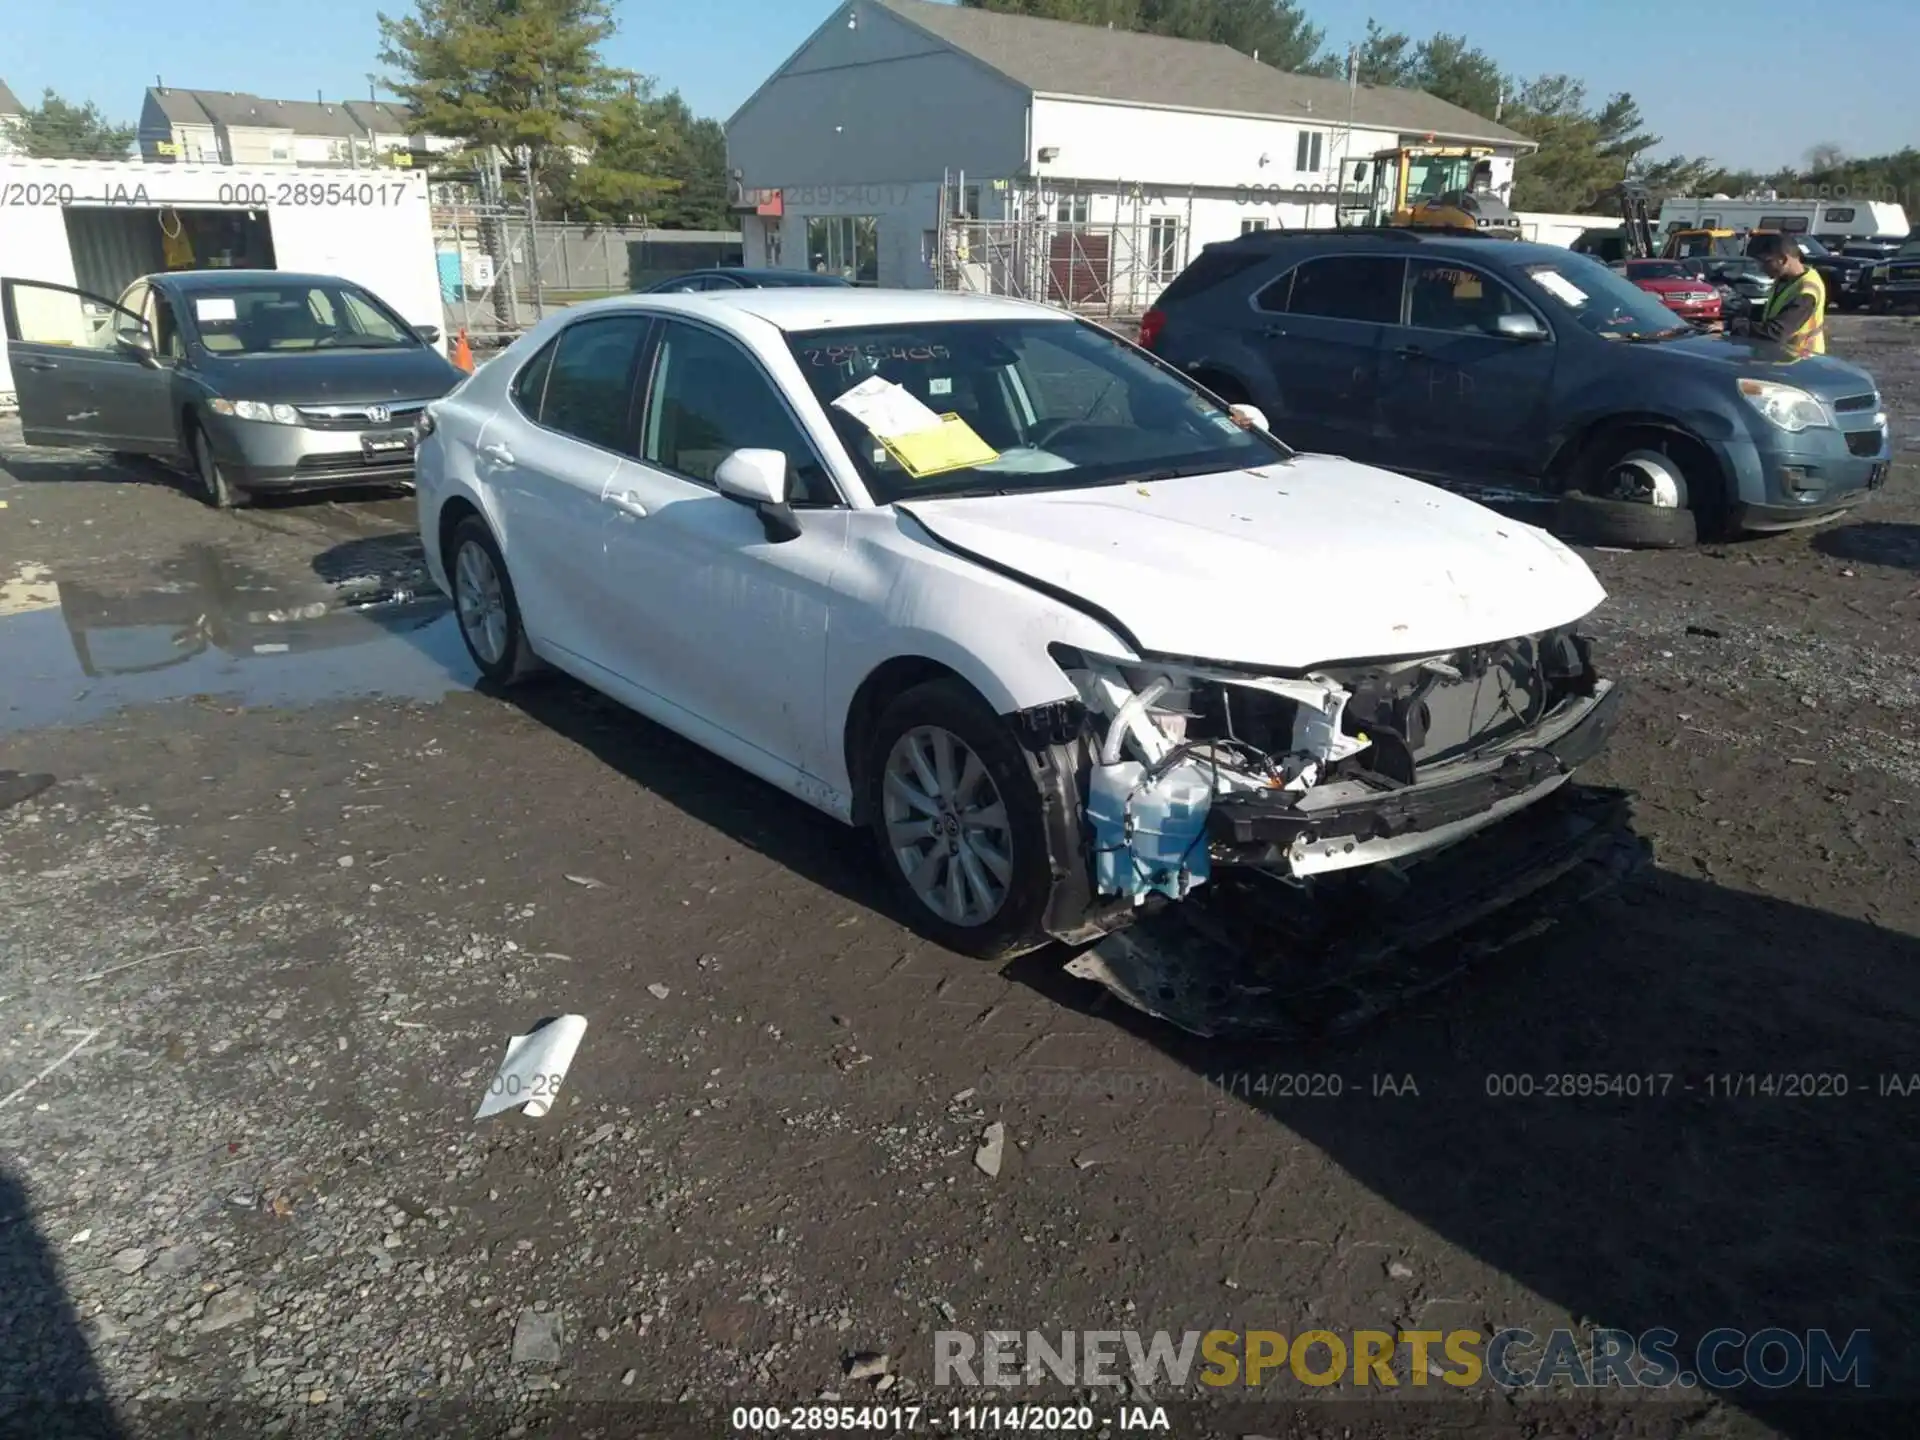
column 501, row 273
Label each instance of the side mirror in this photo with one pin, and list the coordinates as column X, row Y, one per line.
column 1520, row 326
column 135, row 339
column 758, row 480
column 1252, row 416
column 429, row 334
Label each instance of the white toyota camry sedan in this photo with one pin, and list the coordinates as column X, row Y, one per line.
column 1065, row 631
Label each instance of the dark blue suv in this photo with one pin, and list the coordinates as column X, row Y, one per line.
column 1499, row 366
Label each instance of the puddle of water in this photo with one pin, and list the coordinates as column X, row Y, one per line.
column 205, row 625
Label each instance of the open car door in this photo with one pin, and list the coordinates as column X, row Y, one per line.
column 84, row 370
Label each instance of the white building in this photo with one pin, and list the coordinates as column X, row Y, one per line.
column 1083, row 164
column 224, row 127
column 98, row 225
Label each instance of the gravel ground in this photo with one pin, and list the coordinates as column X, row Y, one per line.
column 266, row 941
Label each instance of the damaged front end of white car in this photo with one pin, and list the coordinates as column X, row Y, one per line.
column 1316, row 825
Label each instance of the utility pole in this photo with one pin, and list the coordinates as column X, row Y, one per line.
column 533, row 233
column 493, row 199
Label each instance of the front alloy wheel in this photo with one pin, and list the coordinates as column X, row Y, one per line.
column 947, row 826
column 956, row 811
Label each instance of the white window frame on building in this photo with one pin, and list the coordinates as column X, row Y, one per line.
column 1247, row 227
column 1163, row 247
column 1309, row 152
column 1072, row 210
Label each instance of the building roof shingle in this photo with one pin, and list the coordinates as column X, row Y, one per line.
column 1059, row 57
column 9, row 102
column 237, row 109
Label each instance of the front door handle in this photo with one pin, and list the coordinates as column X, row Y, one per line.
column 1410, row 352
column 35, row 363
column 1275, row 332
column 497, row 453
column 628, row 503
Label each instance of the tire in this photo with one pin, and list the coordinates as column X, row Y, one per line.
column 215, row 488
column 1588, row 520
column 1611, row 500
column 918, row 864
column 485, row 606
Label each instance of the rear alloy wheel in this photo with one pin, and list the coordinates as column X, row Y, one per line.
column 484, row 603
column 957, row 816
column 215, row 488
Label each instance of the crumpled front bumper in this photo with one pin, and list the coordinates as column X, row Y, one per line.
column 1329, row 827
column 1263, row 958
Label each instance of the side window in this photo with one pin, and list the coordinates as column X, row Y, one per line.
column 530, row 385
column 1453, row 297
column 708, row 399
column 590, row 391
column 134, row 299
column 1276, row 297
column 166, row 333
column 1349, row 287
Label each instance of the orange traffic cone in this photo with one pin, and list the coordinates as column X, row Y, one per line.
column 463, row 352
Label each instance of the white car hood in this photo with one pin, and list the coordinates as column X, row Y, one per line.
column 1286, row 567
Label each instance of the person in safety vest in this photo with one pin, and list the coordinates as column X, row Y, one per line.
column 1795, row 316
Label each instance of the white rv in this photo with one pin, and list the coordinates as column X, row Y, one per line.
column 1833, row 221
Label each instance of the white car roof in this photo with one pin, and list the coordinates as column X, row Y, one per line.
column 809, row 307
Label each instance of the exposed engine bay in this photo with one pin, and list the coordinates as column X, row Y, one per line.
column 1345, row 766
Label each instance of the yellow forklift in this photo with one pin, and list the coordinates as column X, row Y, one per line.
column 1438, row 187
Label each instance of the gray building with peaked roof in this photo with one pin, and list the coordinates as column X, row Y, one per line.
column 911, row 142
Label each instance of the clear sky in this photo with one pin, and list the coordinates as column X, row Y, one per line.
column 1850, row 65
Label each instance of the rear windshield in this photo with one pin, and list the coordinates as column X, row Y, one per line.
column 274, row 319
column 1213, row 266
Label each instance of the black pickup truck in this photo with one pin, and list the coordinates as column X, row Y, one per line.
column 1894, row 283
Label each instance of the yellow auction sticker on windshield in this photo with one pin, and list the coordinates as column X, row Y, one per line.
column 951, row 445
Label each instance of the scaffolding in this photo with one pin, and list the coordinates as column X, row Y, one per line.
column 1104, row 250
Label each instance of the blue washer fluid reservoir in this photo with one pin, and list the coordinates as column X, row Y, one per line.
column 1149, row 837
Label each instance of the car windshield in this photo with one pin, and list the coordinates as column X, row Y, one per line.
column 1598, row 300
column 1908, row 251
column 295, row 317
column 979, row 407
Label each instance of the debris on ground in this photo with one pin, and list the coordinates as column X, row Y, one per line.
column 537, row 1336
column 993, row 1144
column 867, row 1365
column 534, row 1066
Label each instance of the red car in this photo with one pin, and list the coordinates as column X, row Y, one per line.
column 1680, row 287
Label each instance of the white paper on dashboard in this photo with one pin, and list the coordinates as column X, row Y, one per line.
column 534, row 1066
column 1558, row 285
column 886, row 409
column 216, row 308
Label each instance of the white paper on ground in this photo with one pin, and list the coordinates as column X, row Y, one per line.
column 886, row 409
column 534, row 1067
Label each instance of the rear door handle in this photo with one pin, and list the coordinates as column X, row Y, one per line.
column 1410, row 352
column 497, row 453
column 628, row 502
column 1275, row 332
